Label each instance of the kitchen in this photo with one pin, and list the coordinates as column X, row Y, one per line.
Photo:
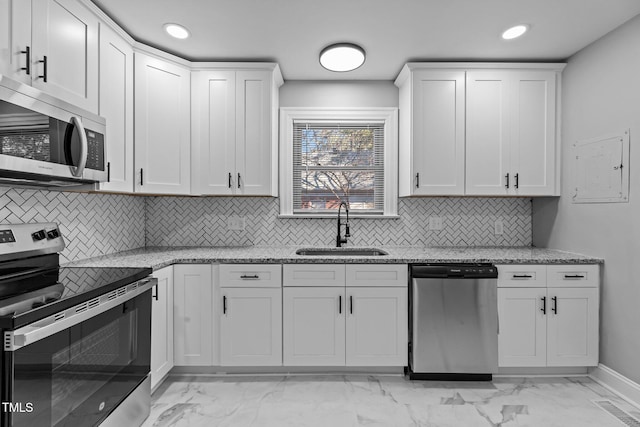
column 597, row 86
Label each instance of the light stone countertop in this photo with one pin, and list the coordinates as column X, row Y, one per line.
column 159, row 257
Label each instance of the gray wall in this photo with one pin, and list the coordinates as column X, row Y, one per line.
column 364, row 94
column 601, row 95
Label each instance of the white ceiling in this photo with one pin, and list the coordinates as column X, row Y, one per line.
column 292, row 32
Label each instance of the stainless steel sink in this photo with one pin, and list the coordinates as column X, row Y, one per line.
column 341, row 252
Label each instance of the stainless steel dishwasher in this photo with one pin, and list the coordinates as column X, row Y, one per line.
column 453, row 322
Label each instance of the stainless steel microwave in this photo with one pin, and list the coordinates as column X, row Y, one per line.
column 45, row 141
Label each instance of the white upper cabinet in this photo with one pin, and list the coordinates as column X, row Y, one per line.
column 116, row 106
column 234, row 128
column 162, row 129
column 479, row 129
column 61, row 38
column 432, row 130
column 15, row 40
column 511, row 132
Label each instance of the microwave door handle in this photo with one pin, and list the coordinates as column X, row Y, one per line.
column 84, row 147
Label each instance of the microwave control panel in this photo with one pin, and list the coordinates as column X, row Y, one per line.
column 95, row 152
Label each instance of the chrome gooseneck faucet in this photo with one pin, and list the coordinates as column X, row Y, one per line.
column 340, row 240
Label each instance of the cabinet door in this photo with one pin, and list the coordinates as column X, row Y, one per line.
column 213, row 129
column 533, row 133
column 314, row 326
column 116, row 106
column 254, row 144
column 162, row 131
column 193, row 319
column 65, row 32
column 522, row 325
column 15, row 37
column 251, row 327
column 376, row 327
column 487, row 144
column 438, row 132
column 162, row 326
column 572, row 327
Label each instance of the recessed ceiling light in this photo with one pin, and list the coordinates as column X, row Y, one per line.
column 342, row 57
column 515, row 32
column 176, row 30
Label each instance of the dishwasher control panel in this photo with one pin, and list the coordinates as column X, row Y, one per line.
column 454, row 270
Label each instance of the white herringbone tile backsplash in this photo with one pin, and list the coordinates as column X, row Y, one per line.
column 99, row 224
column 186, row 221
column 92, row 224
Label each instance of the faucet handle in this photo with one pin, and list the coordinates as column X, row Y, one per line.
column 346, row 230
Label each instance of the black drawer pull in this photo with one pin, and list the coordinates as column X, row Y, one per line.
column 351, row 304
column 574, row 276
column 27, row 66
column 224, row 304
column 247, row 277
column 340, row 304
column 522, row 276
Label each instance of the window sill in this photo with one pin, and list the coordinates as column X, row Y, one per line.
column 335, row 216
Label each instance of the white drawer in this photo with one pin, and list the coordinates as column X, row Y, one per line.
column 250, row 275
column 377, row 274
column 573, row 275
column 313, row 274
column 522, row 276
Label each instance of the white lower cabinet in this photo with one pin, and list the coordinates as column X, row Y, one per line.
column 376, row 326
column 552, row 323
column 251, row 315
column 314, row 326
column 162, row 326
column 193, row 315
column 355, row 325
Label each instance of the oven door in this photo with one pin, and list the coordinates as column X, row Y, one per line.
column 77, row 376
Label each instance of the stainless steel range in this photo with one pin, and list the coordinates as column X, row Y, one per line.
column 77, row 341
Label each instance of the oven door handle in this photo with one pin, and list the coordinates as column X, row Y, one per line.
column 29, row 334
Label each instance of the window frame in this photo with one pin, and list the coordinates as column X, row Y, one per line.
column 389, row 116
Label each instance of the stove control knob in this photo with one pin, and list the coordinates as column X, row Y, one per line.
column 52, row 234
column 38, row 235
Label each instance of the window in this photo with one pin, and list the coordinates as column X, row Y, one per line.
column 334, row 156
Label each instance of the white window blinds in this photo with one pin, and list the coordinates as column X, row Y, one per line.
column 338, row 162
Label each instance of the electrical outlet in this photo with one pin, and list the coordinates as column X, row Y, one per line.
column 435, row 223
column 236, row 223
column 498, row 227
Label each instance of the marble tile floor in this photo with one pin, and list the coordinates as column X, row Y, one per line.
column 385, row 401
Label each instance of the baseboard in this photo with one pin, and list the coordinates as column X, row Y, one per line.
column 617, row 383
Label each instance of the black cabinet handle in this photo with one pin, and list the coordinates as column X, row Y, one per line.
column 574, row 276
column 141, row 177
column 517, row 180
column 27, row 67
column 351, row 304
column 544, row 305
column 506, row 185
column 522, row 276
column 44, row 68
column 155, row 297
column 340, row 304
column 417, row 179
column 246, row 277
column 229, row 179
column 108, row 171
column 555, row 305
column 238, row 179
column 224, row 304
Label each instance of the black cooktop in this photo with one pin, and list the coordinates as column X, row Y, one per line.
column 47, row 290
